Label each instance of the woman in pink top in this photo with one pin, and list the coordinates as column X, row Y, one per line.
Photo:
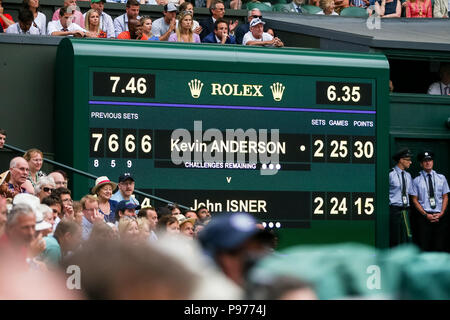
column 419, row 9
column 77, row 15
column 184, row 31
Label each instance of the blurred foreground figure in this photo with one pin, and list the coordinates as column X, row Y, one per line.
column 119, row 270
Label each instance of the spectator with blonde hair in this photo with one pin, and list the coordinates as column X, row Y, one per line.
column 92, row 23
column 184, row 31
column 34, row 158
column 327, row 7
column 128, row 230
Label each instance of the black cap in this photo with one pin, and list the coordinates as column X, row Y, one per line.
column 425, row 155
column 125, row 176
column 402, row 153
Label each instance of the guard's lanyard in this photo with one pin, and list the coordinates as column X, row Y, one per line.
column 404, row 197
column 432, row 199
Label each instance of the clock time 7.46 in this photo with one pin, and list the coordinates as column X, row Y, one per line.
column 124, row 85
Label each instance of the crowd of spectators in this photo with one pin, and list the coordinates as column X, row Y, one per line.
column 43, row 230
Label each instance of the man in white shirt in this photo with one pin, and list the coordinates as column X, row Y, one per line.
column 164, row 26
column 443, row 87
column 131, row 12
column 24, row 26
column 257, row 37
column 106, row 22
column 65, row 27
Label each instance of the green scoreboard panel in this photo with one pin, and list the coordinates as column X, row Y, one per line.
column 296, row 138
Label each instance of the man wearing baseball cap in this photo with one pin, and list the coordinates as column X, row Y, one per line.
column 257, row 37
column 126, row 189
column 126, row 208
column 164, row 26
column 235, row 243
column 400, row 187
column 106, row 21
column 430, row 197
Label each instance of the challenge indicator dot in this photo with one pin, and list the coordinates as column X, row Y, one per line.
column 278, row 166
column 264, row 224
column 264, row 166
column 271, row 225
column 278, row 225
column 302, row 148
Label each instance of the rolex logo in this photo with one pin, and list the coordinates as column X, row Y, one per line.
column 277, row 91
column 196, row 88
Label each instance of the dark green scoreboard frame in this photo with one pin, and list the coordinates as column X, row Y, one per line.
column 313, row 159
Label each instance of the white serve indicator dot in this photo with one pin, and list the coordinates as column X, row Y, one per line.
column 302, row 148
column 123, row 90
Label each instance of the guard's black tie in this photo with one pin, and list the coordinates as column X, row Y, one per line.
column 403, row 184
column 430, row 183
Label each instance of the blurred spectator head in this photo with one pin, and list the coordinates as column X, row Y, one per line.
column 34, row 158
column 126, row 208
column 2, row 137
column 98, row 5
column 19, row 170
column 327, row 6
column 66, row 17
column 44, row 219
column 21, row 224
column 64, row 174
column 217, row 9
column 31, row 4
column 190, row 214
column 58, row 178
column 68, row 234
column 102, row 232
column 253, row 14
column 129, row 230
column 235, row 243
column 132, row 9
column 186, row 226
column 44, row 187
column 203, row 215
column 26, row 19
column 220, row 28
column 163, row 211
column 174, row 208
column 124, row 271
column 168, row 224
column 77, row 212
column 89, row 204
column 55, row 204
column 186, row 6
column 144, row 229
column 150, row 214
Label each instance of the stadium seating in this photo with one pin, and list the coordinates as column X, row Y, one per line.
column 354, row 12
column 311, row 9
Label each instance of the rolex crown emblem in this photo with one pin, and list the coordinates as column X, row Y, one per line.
column 196, row 88
column 277, row 91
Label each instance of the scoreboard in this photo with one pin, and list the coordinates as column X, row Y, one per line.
column 297, row 138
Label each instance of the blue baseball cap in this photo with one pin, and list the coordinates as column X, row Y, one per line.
column 227, row 232
column 126, row 204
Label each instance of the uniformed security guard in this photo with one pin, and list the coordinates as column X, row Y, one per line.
column 400, row 187
column 430, row 199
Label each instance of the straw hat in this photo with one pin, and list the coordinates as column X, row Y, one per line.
column 100, row 182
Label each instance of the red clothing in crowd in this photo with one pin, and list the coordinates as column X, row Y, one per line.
column 126, row 35
column 3, row 22
column 419, row 9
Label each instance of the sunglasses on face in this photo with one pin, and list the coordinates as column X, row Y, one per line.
column 47, row 189
column 257, row 17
